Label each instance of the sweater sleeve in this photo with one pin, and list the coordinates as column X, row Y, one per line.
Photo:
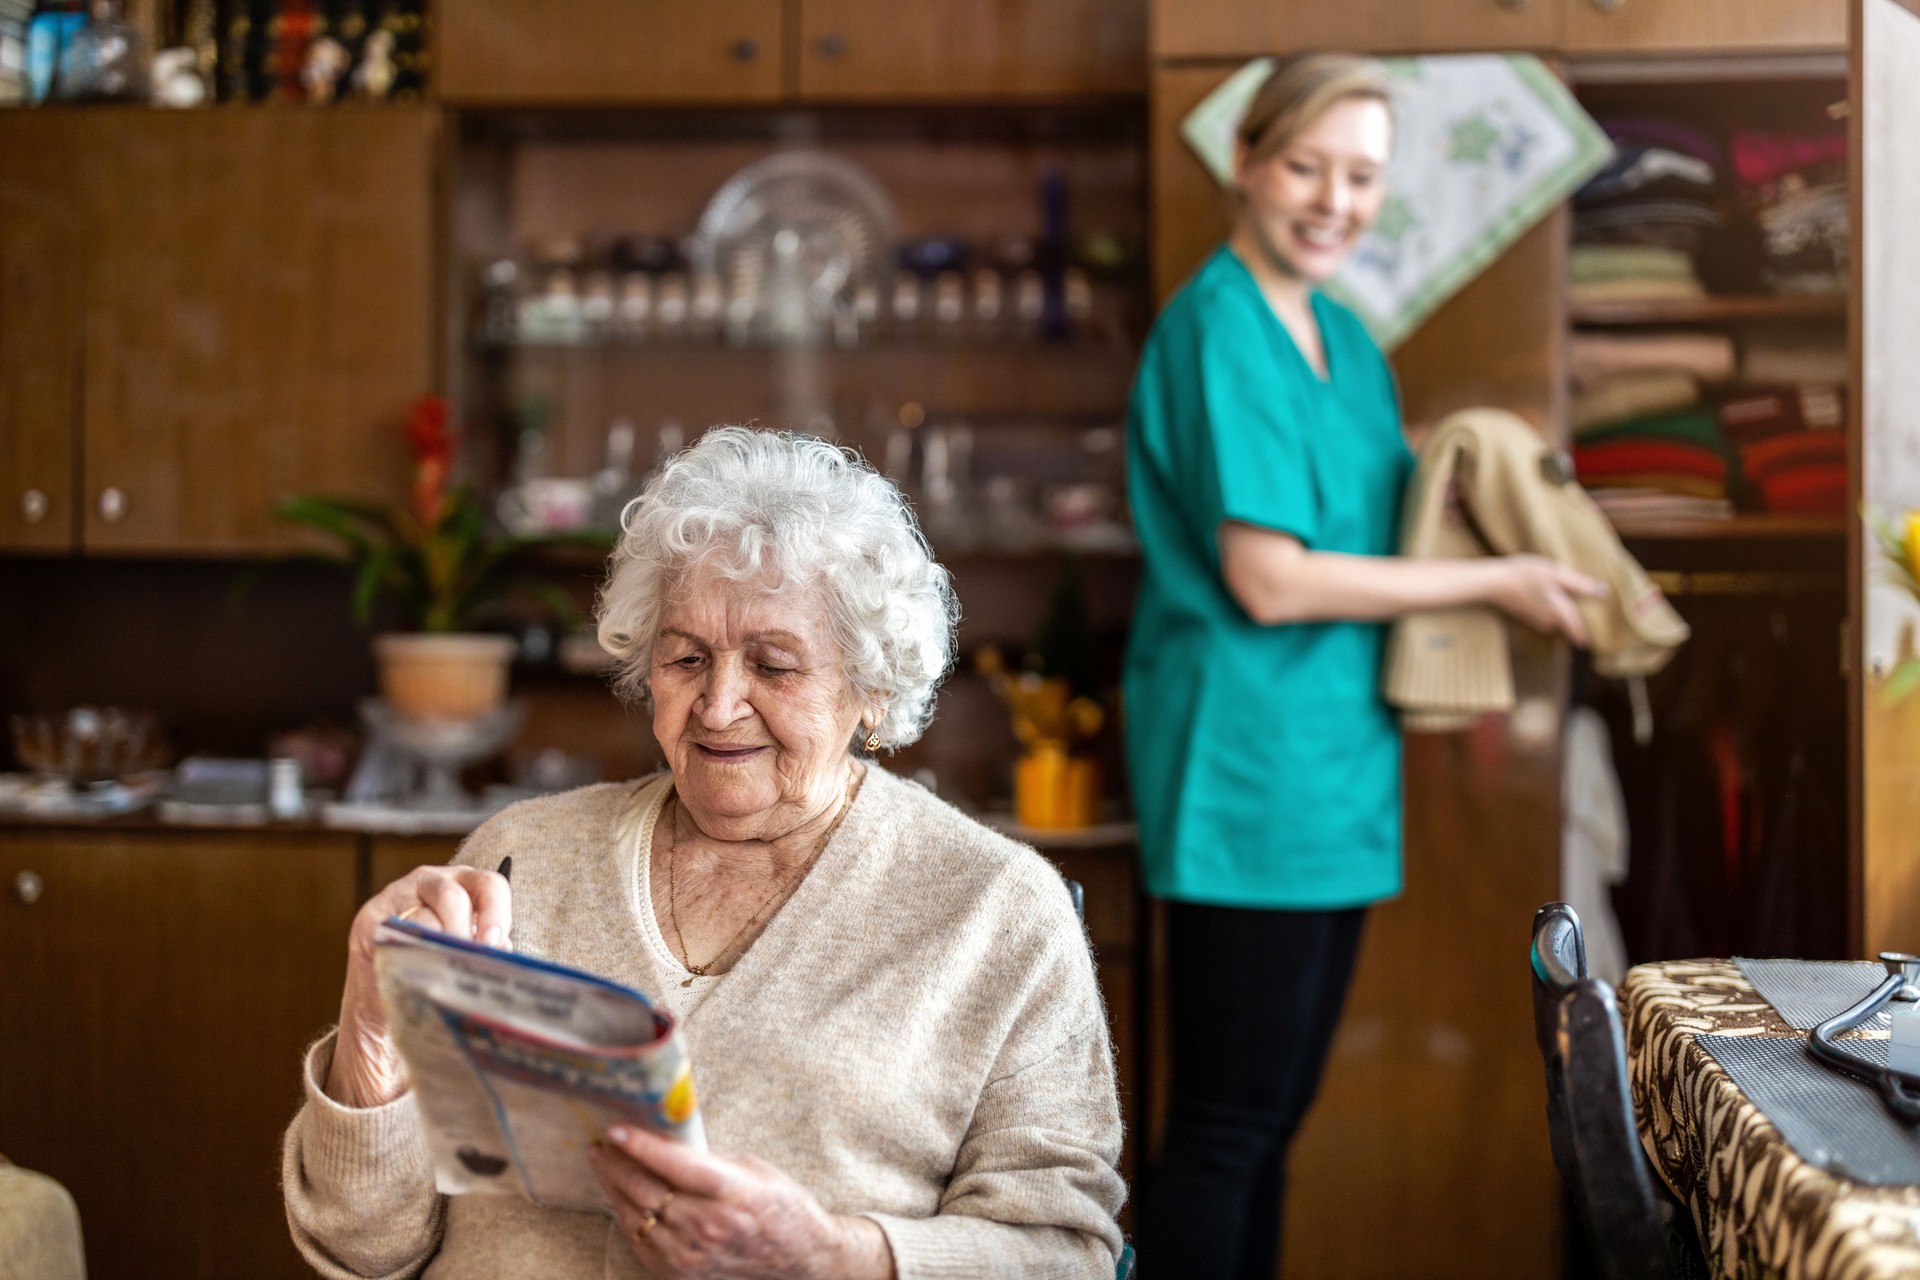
column 359, row 1183
column 1034, row 1191
column 1035, row 1186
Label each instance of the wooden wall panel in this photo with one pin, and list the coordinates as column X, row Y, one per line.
column 1427, row 1153
column 41, row 265
column 1886, row 327
column 1190, row 211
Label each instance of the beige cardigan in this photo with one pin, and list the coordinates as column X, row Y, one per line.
column 1515, row 493
column 916, row 1037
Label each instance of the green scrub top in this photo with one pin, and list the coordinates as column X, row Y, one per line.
column 1265, row 764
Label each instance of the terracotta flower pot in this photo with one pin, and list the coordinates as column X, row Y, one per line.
column 443, row 677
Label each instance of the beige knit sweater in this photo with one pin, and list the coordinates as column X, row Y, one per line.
column 917, row 1037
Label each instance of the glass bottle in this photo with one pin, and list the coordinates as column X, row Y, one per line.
column 106, row 61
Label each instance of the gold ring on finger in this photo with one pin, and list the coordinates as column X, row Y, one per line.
column 647, row 1218
column 409, row 912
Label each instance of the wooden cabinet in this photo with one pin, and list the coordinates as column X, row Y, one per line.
column 970, row 49
column 394, row 856
column 1702, row 26
column 160, row 987
column 259, row 311
column 40, row 279
column 203, row 312
column 606, row 52
column 1252, row 28
column 642, row 52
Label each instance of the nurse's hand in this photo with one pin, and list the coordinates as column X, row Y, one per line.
column 1545, row 595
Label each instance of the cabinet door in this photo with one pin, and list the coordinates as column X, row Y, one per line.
column 1602, row 26
column 946, row 49
column 160, row 987
column 40, row 275
column 394, row 856
column 1251, row 28
column 608, row 51
column 260, row 304
column 1884, row 98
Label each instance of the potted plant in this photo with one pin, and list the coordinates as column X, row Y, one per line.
column 438, row 560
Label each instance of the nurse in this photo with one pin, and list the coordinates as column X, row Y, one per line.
column 1267, row 470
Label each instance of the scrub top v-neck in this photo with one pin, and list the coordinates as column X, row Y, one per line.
column 1265, row 766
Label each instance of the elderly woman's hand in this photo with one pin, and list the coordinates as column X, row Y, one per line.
column 463, row 901
column 692, row 1215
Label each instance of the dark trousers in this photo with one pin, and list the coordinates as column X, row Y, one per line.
column 1255, row 997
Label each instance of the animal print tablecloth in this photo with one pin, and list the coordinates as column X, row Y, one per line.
column 1761, row 1210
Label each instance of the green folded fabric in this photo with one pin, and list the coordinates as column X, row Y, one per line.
column 1691, row 426
column 1591, row 263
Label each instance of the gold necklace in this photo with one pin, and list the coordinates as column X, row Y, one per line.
column 673, row 893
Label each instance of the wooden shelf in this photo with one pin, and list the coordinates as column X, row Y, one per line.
column 1755, row 526
column 678, row 348
column 1727, row 309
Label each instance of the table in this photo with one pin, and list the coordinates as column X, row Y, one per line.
column 1761, row 1210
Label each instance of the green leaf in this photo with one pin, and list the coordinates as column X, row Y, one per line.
column 327, row 516
column 366, row 587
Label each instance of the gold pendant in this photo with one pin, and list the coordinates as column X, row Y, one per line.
column 686, row 984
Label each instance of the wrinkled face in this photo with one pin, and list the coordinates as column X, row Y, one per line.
column 1309, row 203
column 751, row 704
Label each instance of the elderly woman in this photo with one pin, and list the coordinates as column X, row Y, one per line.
column 900, row 1050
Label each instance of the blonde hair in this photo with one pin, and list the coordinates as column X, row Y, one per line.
column 1299, row 90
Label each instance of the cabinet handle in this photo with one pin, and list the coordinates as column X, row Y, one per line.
column 745, row 49
column 113, row 505
column 1511, row 6
column 34, row 506
column 27, row 886
column 831, row 46
column 1608, row 6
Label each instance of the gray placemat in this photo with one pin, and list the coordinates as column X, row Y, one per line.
column 1808, row 992
column 1830, row 1120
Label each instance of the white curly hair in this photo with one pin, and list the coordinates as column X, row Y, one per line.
column 791, row 512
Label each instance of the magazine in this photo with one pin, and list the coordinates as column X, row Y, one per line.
column 521, row 1065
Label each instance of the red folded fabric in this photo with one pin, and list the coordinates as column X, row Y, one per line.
column 1644, row 457
column 1810, row 490
column 1776, row 454
column 1760, row 158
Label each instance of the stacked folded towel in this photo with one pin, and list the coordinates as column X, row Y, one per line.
column 1639, row 222
column 1674, row 464
column 1645, row 443
column 1794, row 186
column 1791, row 448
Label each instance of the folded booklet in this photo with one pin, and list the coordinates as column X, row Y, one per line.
column 520, row 1065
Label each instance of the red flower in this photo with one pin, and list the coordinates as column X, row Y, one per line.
column 431, row 441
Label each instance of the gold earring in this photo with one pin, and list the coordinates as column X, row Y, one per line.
column 873, row 740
